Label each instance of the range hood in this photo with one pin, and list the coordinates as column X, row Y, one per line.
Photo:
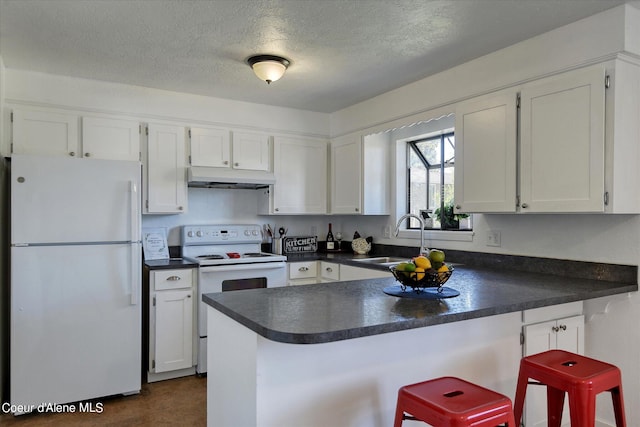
column 209, row 177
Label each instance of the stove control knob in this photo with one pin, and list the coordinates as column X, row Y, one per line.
column 199, row 233
column 247, row 233
column 254, row 232
column 190, row 233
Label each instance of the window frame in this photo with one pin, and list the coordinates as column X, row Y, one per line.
column 400, row 181
column 444, row 138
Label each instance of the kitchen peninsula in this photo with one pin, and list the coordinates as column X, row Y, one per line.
column 336, row 353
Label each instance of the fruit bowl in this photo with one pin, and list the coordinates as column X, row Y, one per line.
column 420, row 280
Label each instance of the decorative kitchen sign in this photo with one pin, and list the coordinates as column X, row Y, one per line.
column 300, row 244
column 154, row 243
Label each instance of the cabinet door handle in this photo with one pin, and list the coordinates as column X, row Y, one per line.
column 173, row 278
column 236, row 164
column 72, row 154
column 563, row 327
column 458, row 207
column 329, row 269
column 226, row 162
column 525, row 206
column 555, row 328
column 87, row 154
column 188, row 296
column 303, row 269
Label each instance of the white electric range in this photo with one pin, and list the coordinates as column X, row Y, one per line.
column 229, row 257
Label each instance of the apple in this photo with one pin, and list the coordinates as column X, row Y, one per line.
column 436, row 255
column 437, row 258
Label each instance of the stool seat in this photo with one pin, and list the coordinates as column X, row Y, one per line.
column 453, row 402
column 581, row 377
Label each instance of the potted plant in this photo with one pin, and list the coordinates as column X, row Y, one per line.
column 448, row 218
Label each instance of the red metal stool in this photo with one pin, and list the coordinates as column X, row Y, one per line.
column 579, row 376
column 452, row 402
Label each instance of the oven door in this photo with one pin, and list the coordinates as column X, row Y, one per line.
column 232, row 277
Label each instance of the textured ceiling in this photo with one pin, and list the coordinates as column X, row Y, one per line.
column 342, row 51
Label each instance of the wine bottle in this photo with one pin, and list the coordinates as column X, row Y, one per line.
column 331, row 242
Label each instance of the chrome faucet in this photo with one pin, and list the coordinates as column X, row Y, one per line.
column 423, row 250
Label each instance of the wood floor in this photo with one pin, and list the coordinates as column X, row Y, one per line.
column 178, row 402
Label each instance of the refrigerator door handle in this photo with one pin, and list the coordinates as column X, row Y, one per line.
column 135, row 275
column 135, row 226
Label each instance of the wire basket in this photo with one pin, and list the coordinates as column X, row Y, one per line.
column 416, row 281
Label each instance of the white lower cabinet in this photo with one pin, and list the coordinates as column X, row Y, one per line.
column 302, row 273
column 171, row 324
column 566, row 333
column 308, row 272
column 329, row 272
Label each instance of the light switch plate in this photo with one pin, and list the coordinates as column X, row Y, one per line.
column 493, row 238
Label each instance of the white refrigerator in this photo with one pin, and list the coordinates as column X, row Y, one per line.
column 75, row 257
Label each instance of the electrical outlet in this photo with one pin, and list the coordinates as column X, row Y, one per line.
column 493, row 238
column 386, row 232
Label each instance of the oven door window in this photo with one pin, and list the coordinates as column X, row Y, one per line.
column 242, row 284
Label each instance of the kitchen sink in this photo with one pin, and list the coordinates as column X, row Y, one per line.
column 384, row 260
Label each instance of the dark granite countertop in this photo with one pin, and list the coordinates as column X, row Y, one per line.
column 163, row 264
column 326, row 312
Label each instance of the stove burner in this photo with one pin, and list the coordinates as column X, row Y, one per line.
column 210, row 257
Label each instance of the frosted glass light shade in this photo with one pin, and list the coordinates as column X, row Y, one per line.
column 268, row 68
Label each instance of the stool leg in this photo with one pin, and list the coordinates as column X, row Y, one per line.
column 399, row 413
column 618, row 406
column 555, row 403
column 582, row 407
column 521, row 391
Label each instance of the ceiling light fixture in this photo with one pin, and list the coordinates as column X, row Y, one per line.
column 268, row 67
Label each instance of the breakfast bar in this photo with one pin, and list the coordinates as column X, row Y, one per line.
column 336, row 353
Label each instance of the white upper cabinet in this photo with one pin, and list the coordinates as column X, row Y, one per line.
column 165, row 186
column 346, row 175
column 251, row 151
column 622, row 150
column 562, row 143
column 210, row 147
column 486, row 144
column 110, row 139
column 300, row 168
column 57, row 134
column 45, row 133
column 222, row 148
column 577, row 145
column 360, row 175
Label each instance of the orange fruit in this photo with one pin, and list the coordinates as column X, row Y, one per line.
column 422, row 262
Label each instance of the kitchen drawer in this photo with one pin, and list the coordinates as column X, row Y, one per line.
column 172, row 279
column 303, row 270
column 329, row 270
